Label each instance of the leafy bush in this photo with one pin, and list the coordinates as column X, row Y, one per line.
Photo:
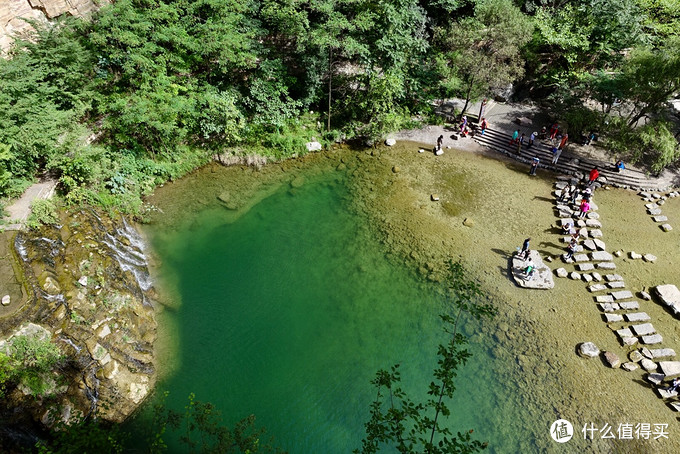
column 30, row 358
column 652, row 144
column 43, row 212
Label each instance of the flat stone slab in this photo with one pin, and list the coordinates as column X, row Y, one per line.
column 666, row 394
column 612, row 318
column 599, row 244
column 622, row 294
column 654, row 211
column 597, row 288
column 670, row 368
column 604, row 299
column 581, row 258
column 651, row 206
column 609, row 307
column 666, row 227
column 597, row 277
column 590, row 245
column 575, row 276
column 616, row 284
column 629, row 366
column 606, row 266
column 612, row 277
column 643, row 329
column 624, row 332
column 596, row 233
column 561, row 272
column 601, row 256
column 652, row 339
column 587, row 277
column 541, row 278
column 660, row 218
column 593, row 223
column 638, row 317
column 630, row 305
column 649, row 258
column 655, row 378
column 634, row 255
column 585, row 266
column 593, row 215
column 669, row 296
column 662, row 353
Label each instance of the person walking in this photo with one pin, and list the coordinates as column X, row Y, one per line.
column 515, row 136
column 534, row 166
column 563, row 142
column 463, row 123
column 574, row 195
column 532, row 137
column 584, row 208
column 553, row 131
column 440, row 142
column 556, row 152
column 544, row 133
column 483, row 125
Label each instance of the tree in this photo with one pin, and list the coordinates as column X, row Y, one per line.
column 398, row 422
column 484, row 51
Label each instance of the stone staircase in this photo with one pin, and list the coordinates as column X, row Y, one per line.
column 569, row 163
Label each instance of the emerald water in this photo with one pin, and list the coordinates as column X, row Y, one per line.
column 288, row 310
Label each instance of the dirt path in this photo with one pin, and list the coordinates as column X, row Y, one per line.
column 18, row 211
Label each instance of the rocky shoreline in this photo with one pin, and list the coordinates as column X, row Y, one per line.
column 88, row 290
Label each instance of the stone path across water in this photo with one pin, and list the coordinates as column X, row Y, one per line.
column 620, row 310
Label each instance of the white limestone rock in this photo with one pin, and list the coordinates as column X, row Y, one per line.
column 313, row 146
column 6, row 300
column 669, row 296
column 588, row 350
column 666, row 227
column 630, row 367
column 634, row 255
column 561, row 272
column 649, row 258
column 390, row 142
column 648, row 365
column 612, row 359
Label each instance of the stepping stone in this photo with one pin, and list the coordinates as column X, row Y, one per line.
column 593, row 206
column 675, row 406
column 597, row 277
column 655, row 211
column 596, row 233
column 645, row 296
column 622, row 294
column 580, row 223
column 649, row 258
column 593, row 215
column 574, row 275
column 612, row 318
column 581, row 258
column 612, row 277
column 593, row 223
column 651, row 340
column 646, row 352
column 666, row 394
column 656, row 195
column 565, row 214
column 634, row 255
column 655, row 379
column 561, row 272
column 562, row 207
column 604, row 299
column 630, row 305
column 609, row 307
column 666, row 227
column 597, row 288
column 630, row 367
column 585, row 266
column 587, row 277
column 662, row 353
column 561, row 185
column 601, row 256
column 638, row 317
column 670, row 368
column 599, row 244
column 651, row 206
column 630, row 341
column 606, row 266
column 624, row 332
column 643, row 329
column 590, row 245
column 644, row 194
column 565, row 239
column 618, row 253
column 562, row 222
column 660, row 218
column 616, row 284
column 649, row 365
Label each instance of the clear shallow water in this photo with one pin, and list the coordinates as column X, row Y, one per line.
column 288, row 312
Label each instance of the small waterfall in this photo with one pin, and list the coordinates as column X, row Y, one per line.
column 129, row 253
column 71, row 343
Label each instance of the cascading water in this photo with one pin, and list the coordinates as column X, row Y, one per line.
column 127, row 247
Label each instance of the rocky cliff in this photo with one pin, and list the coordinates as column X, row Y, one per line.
column 89, row 292
column 13, row 13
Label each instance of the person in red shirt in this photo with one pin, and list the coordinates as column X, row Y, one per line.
column 563, row 143
column 593, row 175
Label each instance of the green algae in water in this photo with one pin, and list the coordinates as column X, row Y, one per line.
column 288, row 312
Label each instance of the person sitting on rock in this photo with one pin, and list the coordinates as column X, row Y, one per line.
column 571, row 249
column 529, row 270
column 620, row 167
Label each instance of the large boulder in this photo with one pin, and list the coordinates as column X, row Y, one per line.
column 541, row 278
column 669, row 296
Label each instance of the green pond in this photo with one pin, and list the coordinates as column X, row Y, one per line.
column 289, row 309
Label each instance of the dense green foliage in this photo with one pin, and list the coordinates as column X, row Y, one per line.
column 150, row 89
column 397, row 423
column 29, row 361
